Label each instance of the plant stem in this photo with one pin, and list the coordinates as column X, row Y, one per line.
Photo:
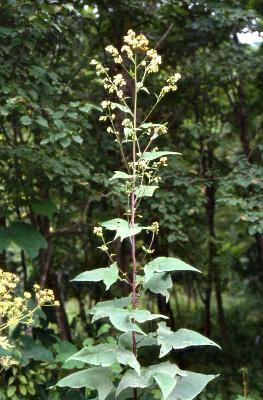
column 133, row 212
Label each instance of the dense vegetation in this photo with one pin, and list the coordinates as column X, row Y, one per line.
column 56, row 160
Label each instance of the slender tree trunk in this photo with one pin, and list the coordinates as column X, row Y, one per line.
column 207, row 303
column 209, row 192
column 212, row 249
column 61, row 315
column 165, row 308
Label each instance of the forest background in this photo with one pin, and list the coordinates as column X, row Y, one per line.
column 56, row 159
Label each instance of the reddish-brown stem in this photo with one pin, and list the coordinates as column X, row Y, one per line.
column 133, row 211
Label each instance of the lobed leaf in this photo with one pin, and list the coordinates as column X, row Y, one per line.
column 166, row 264
column 45, row 207
column 159, row 283
column 125, row 340
column 123, row 319
column 108, row 275
column 24, row 236
column 120, row 175
column 164, row 374
column 123, row 108
column 153, row 155
column 180, row 339
column 145, row 191
column 106, row 355
column 189, row 386
column 122, row 228
column 97, row 378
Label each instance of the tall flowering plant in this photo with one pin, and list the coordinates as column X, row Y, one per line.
column 118, row 370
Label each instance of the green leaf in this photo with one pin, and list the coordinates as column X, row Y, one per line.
column 108, row 275
column 166, row 264
column 106, row 355
column 123, row 319
column 45, row 207
column 122, row 228
column 59, row 124
column 118, row 317
column 120, row 175
column 26, row 120
column 115, row 303
column 66, row 349
column 35, row 351
column 65, row 142
column 149, row 125
column 165, row 382
column 11, row 391
column 125, row 340
column 96, row 378
column 123, row 108
column 77, row 139
column 23, row 390
column 103, row 329
column 153, row 155
column 24, row 236
column 145, row 191
column 180, row 339
column 159, row 283
column 132, row 380
column 5, row 239
column 58, row 114
column 144, row 315
column 89, row 106
column 147, row 377
column 165, row 375
column 42, row 121
column 188, row 387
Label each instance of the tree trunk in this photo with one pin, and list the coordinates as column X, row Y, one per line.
column 61, row 315
column 212, row 248
column 165, row 308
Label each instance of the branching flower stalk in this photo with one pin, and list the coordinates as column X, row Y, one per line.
column 135, row 47
column 142, row 161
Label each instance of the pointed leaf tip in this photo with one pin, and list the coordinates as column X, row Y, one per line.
column 108, row 275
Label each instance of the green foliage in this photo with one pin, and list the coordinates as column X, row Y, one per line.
column 24, row 236
column 46, row 208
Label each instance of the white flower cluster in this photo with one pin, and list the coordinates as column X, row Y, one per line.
column 115, row 54
column 155, row 61
column 171, row 84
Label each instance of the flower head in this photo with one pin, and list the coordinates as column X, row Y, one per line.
column 136, row 42
column 155, row 227
column 97, row 230
column 155, row 60
column 115, row 54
